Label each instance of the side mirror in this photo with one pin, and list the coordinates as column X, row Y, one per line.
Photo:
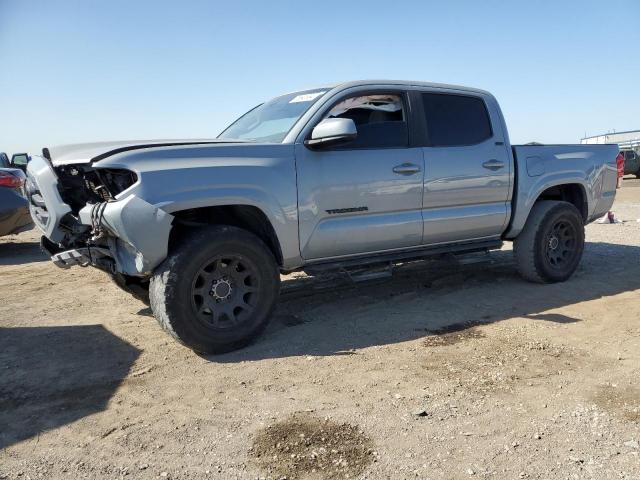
column 20, row 160
column 332, row 131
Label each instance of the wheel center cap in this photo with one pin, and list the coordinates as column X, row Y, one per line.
column 221, row 289
column 553, row 242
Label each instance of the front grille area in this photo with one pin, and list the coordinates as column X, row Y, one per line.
column 38, row 208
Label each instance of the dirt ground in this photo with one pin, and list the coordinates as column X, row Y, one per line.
column 448, row 370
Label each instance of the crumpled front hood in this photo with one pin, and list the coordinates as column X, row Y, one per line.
column 88, row 152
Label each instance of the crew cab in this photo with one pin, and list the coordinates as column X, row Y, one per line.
column 358, row 173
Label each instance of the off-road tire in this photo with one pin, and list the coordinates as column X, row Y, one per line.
column 133, row 286
column 184, row 294
column 550, row 224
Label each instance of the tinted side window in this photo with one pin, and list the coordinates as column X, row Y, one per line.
column 456, row 120
column 380, row 120
column 20, row 159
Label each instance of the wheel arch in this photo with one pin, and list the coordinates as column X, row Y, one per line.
column 248, row 217
column 571, row 191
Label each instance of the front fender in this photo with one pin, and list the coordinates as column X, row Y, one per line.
column 140, row 232
column 283, row 218
column 181, row 178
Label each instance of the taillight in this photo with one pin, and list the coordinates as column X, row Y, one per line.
column 620, row 164
column 9, row 180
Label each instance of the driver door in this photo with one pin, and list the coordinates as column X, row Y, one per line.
column 363, row 196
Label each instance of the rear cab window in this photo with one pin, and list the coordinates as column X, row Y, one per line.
column 455, row 120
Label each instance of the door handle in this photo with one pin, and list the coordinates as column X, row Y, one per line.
column 406, row 169
column 493, row 164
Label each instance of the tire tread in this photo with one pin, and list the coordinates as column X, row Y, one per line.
column 162, row 294
column 525, row 244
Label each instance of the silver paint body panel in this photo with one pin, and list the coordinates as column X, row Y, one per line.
column 594, row 169
column 331, row 180
column 463, row 199
column 340, row 203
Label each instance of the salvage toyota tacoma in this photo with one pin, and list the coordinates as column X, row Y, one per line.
column 356, row 174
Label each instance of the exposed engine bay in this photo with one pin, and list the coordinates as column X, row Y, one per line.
column 82, row 184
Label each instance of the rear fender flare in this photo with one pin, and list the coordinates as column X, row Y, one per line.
column 528, row 194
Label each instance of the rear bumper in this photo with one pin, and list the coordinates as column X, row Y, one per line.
column 14, row 214
column 15, row 222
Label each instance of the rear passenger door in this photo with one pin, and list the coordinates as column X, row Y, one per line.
column 467, row 167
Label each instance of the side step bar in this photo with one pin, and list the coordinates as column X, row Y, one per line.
column 395, row 257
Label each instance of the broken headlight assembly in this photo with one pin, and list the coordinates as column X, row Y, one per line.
column 80, row 185
column 115, row 180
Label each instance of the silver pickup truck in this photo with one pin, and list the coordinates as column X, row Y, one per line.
column 355, row 174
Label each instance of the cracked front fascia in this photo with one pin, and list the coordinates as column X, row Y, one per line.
column 142, row 233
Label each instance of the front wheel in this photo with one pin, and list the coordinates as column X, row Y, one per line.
column 550, row 246
column 217, row 291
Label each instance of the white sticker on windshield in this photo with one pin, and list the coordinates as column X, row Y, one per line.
column 306, row 97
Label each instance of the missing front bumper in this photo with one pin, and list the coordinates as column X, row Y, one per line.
column 138, row 233
column 83, row 257
column 134, row 238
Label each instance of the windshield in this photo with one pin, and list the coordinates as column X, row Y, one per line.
column 271, row 121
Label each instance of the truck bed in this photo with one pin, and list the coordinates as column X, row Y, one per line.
column 540, row 167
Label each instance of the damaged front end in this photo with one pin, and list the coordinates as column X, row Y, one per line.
column 88, row 220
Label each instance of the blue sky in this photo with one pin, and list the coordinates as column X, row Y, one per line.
column 76, row 71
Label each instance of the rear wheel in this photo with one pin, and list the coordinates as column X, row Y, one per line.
column 217, row 291
column 550, row 246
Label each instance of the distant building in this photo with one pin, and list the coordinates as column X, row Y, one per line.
column 626, row 140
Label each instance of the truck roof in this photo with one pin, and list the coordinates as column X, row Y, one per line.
column 408, row 83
